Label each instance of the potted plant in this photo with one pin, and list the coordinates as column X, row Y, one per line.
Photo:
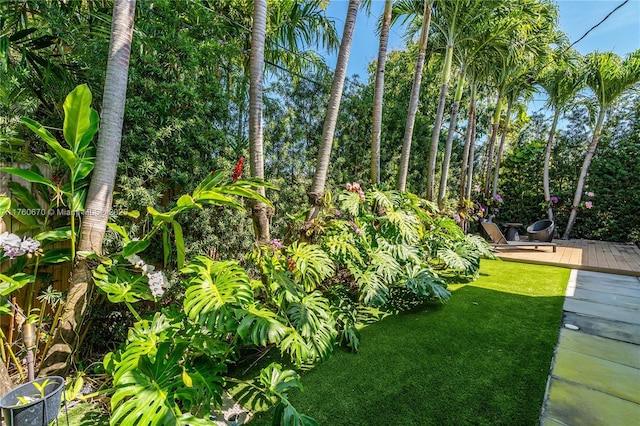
column 34, row 403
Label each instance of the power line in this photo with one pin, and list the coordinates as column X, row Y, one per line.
column 599, row 23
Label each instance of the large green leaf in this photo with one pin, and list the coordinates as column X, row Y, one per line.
column 13, row 283
column 313, row 264
column 5, row 205
column 29, row 176
column 57, row 255
column 215, row 287
column 94, row 122
column 149, row 394
column 55, row 235
column 177, row 233
column 77, row 112
column 26, row 198
column 121, row 285
column 68, row 156
column 143, row 339
column 133, row 247
column 262, row 326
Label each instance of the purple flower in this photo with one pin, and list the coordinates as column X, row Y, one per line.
column 481, row 209
column 457, row 218
column 554, row 200
column 276, row 244
column 338, row 213
column 588, row 204
column 496, row 210
column 590, row 194
column 498, row 198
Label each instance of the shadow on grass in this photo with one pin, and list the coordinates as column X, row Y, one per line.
column 481, row 359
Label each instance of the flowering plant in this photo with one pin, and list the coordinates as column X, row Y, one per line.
column 589, row 203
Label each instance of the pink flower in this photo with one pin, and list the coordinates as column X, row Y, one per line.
column 590, row 194
column 456, row 217
column 276, row 244
column 349, row 187
column 337, row 213
column 554, row 200
column 355, row 227
column 588, row 204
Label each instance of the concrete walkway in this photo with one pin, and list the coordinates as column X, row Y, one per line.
column 595, row 372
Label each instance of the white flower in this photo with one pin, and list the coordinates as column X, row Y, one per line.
column 148, row 269
column 135, row 260
column 7, row 239
column 157, row 283
column 30, row 245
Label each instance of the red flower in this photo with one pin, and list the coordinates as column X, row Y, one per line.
column 237, row 170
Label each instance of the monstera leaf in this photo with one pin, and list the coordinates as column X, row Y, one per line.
column 261, row 326
column 214, row 289
column 149, row 394
column 122, row 285
column 312, row 264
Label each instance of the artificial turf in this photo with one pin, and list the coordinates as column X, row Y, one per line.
column 480, row 359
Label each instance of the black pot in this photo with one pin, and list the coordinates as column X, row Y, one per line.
column 40, row 410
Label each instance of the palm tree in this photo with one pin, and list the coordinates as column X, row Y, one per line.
column 453, row 20
column 608, row 77
column 316, row 192
column 562, row 81
column 100, row 195
column 378, row 93
column 407, row 7
column 256, row 72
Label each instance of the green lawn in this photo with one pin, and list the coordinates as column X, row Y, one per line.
column 481, row 359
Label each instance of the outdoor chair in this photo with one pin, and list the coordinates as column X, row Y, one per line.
column 541, row 230
column 498, row 240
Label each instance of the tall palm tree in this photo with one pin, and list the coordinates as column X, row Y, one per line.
column 256, row 73
column 407, row 7
column 609, row 77
column 453, row 20
column 316, row 192
column 100, row 194
column 561, row 81
column 378, row 92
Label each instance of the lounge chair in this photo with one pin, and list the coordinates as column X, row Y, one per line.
column 497, row 239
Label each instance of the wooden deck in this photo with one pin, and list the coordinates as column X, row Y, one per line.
column 588, row 255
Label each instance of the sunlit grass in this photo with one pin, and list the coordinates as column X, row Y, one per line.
column 482, row 359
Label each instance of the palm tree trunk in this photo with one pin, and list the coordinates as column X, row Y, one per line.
column 259, row 212
column 503, row 140
column 547, row 161
column 467, row 156
column 472, row 147
column 442, row 193
column 414, row 99
column 99, row 197
column 492, row 143
column 316, row 193
column 583, row 174
column 435, row 135
column 378, row 94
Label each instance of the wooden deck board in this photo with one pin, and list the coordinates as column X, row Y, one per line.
column 600, row 256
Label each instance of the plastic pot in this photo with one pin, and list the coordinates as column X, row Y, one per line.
column 28, row 405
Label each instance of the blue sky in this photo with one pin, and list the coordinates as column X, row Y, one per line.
column 620, row 33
